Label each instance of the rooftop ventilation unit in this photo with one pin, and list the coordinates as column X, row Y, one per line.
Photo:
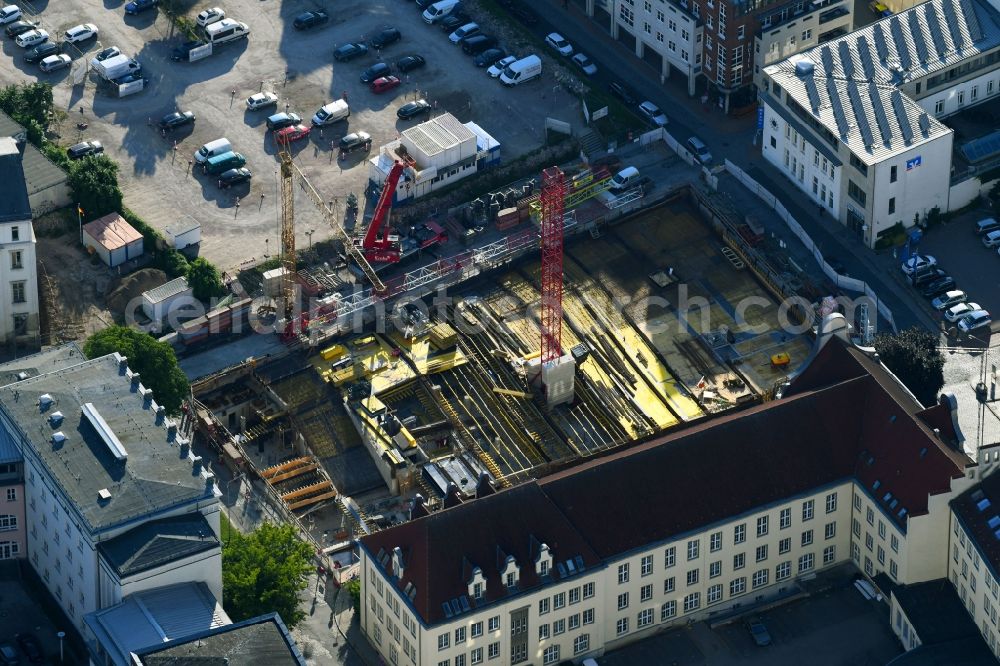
column 994, row 522
column 21, row 376
column 45, row 400
column 104, row 430
column 56, row 418
column 983, row 504
column 804, row 67
column 58, row 437
column 104, row 494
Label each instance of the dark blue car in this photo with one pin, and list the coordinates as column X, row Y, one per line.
column 137, row 6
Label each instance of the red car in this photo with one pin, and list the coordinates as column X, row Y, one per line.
column 293, row 133
column 384, row 83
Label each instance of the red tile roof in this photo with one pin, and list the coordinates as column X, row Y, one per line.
column 845, row 418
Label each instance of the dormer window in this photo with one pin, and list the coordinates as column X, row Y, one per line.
column 543, row 562
column 543, row 568
column 511, row 580
column 477, row 591
column 477, row 584
column 510, row 573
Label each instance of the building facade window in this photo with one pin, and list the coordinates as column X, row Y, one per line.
column 807, row 510
column 762, row 526
column 759, row 578
column 740, row 533
column 18, row 292
column 714, row 594
column 715, row 542
column 831, row 502
column 16, row 262
column 737, row 586
column 647, row 565
column 806, row 562
column 785, row 519
column 668, row 610
column 669, row 557
column 622, row 574
column 692, row 549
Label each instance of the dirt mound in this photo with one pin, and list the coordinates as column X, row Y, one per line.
column 120, row 292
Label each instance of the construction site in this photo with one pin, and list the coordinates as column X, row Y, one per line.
column 581, row 336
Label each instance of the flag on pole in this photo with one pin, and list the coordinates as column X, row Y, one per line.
column 79, row 209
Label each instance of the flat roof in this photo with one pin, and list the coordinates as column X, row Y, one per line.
column 159, row 542
column 853, row 88
column 979, row 421
column 439, row 134
column 935, row 611
column 166, row 290
column 153, row 478
column 42, row 362
column 259, row 641
column 112, row 231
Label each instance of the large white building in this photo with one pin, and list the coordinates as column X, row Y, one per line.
column 846, row 466
column 855, row 122
column 115, row 501
column 18, row 273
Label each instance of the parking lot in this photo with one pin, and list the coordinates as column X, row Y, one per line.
column 27, row 608
column 960, row 251
column 155, row 172
column 804, row 631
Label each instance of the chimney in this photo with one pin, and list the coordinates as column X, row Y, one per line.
column 21, row 139
column 123, row 364
column 197, row 464
column 210, row 483
column 417, row 509
column 397, row 562
column 451, row 497
column 135, row 379
column 485, row 485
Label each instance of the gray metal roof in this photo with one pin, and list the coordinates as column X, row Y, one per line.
column 153, row 617
column 439, row 134
column 259, row 641
column 166, row 290
column 853, row 84
column 14, row 204
column 158, row 542
column 39, row 172
column 40, row 363
column 153, row 478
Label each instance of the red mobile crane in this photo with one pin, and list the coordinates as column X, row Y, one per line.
column 379, row 245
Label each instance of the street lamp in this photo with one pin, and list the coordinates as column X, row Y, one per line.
column 61, row 635
column 310, row 235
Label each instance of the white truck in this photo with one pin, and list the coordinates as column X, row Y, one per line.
column 226, row 30
column 114, row 67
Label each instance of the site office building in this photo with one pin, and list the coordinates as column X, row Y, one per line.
column 855, row 123
column 559, row 569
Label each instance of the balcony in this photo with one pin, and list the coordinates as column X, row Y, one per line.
column 835, row 13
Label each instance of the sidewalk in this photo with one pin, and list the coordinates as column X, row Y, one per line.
column 329, row 634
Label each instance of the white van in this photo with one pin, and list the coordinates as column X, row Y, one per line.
column 212, row 149
column 226, row 30
column 439, row 10
column 624, row 179
column 332, row 112
column 992, row 239
column 521, row 71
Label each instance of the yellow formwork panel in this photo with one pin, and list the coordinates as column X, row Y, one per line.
column 425, row 356
column 372, row 358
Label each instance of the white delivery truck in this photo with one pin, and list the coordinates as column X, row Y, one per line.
column 521, row 71
column 226, row 30
column 115, row 67
column 439, row 10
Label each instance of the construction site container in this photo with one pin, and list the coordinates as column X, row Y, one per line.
column 507, row 218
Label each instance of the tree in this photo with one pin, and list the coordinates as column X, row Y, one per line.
column 353, row 588
column 94, row 181
column 30, row 105
column 204, row 279
column 913, row 356
column 155, row 362
column 175, row 264
column 263, row 572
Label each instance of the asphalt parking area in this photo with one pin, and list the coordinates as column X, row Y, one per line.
column 960, row 251
column 833, row 627
column 241, row 223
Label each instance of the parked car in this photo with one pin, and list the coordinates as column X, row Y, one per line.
column 32, row 38
column 81, row 33
column 464, row 31
column 928, row 274
column 84, row 148
column 349, row 51
column 356, row 141
column 917, row 263
column 376, row 71
column 54, row 62
column 585, row 64
column 621, row 92
column 759, row 633
column 489, row 57
column 209, row 16
column 281, row 120
column 292, row 133
column 559, row 43
column 960, row 310
column 385, row 38
column 19, row 27
column 497, row 68
column 234, row 177
column 139, row 6
column 31, row 647
column 41, row 52
column 177, row 119
column 261, row 100
column 9, row 14
column 310, row 19
column 413, row 109
column 454, row 21
column 109, row 52
column 410, row 62
column 987, row 225
column 948, row 299
column 181, row 52
column 653, row 114
column 974, row 320
column 939, row 286
column 699, row 150
column 384, row 84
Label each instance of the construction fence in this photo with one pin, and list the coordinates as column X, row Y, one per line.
column 842, row 281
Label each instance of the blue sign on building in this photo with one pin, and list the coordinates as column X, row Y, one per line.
column 760, row 117
column 912, row 164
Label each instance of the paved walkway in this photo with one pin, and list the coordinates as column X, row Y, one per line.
column 732, row 138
